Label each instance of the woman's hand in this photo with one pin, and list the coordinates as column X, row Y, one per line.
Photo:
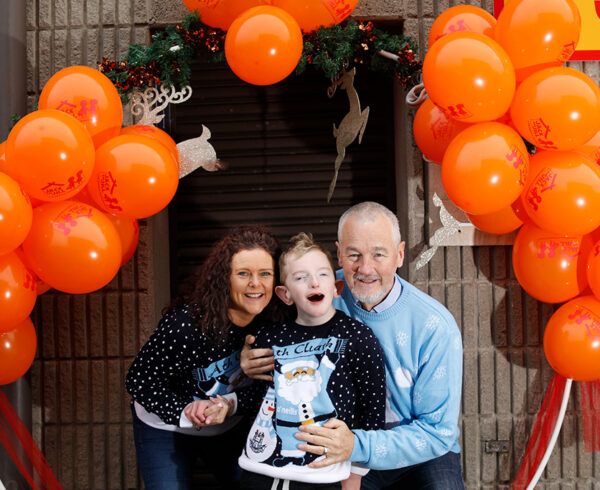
column 208, row 412
column 256, row 362
column 218, row 411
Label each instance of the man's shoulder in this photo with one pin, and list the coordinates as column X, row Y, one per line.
column 428, row 312
column 422, row 300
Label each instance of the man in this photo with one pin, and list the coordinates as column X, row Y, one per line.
column 423, row 356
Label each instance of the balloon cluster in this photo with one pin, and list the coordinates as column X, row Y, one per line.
column 73, row 184
column 264, row 37
column 493, row 84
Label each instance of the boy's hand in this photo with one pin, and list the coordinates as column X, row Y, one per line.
column 256, row 362
column 218, row 411
column 195, row 412
column 352, row 483
column 208, row 412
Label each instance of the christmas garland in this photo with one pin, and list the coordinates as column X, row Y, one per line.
column 166, row 61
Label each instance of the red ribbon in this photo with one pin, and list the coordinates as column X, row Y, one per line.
column 23, row 450
column 546, row 421
column 590, row 410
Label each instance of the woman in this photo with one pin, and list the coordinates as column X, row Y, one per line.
column 195, row 354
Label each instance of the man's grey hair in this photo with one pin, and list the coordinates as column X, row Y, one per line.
column 368, row 211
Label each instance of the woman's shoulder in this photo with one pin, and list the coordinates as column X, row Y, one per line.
column 178, row 320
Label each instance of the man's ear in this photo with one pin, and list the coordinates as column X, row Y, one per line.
column 401, row 254
column 339, row 254
column 284, row 295
column 339, row 287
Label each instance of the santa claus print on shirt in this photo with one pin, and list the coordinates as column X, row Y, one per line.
column 302, row 372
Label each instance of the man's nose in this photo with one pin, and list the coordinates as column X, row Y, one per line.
column 365, row 265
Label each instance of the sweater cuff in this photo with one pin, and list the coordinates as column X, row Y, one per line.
column 359, row 469
column 183, row 420
column 359, row 452
column 229, row 397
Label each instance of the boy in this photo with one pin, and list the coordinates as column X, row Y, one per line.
column 326, row 365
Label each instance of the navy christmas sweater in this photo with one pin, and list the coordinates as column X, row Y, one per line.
column 179, row 364
column 321, row 372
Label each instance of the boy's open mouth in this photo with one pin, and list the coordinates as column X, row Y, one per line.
column 315, row 298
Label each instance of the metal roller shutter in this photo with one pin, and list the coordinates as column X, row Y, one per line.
column 278, row 145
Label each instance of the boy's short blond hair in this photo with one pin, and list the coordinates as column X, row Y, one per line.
column 298, row 246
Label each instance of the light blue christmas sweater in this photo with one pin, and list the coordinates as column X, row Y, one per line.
column 423, row 361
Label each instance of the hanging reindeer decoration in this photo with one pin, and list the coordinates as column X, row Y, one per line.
column 353, row 124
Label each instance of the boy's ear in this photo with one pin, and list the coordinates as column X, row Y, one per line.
column 339, row 287
column 284, row 295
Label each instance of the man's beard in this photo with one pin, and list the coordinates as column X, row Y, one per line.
column 299, row 390
column 372, row 298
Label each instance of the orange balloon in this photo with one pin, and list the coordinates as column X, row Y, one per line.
column 551, row 267
column 15, row 214
column 562, row 193
column 17, row 291
column 157, row 134
column 50, row 154
column 40, row 286
column 485, row 168
column 518, row 208
column 263, row 45
column 17, row 351
column 592, row 148
column 73, row 247
column 312, row 14
column 571, row 339
column 498, row 223
column 461, row 18
column 593, row 269
column 129, row 233
column 538, row 34
column 221, row 13
column 3, row 167
column 134, row 176
column 87, row 95
column 557, row 108
column 469, row 76
column 433, row 131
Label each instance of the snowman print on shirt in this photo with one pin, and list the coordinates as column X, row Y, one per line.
column 262, row 441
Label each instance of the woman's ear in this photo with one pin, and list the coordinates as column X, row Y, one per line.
column 284, row 295
column 339, row 287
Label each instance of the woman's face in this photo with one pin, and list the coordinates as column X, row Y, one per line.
column 251, row 284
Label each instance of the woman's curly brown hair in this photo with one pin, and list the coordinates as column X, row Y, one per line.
column 210, row 290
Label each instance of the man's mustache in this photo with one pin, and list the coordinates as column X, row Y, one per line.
column 363, row 277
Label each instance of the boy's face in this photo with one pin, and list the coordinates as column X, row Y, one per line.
column 310, row 284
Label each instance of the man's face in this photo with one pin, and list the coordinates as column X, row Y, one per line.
column 369, row 257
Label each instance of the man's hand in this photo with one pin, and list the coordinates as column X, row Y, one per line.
column 256, row 362
column 352, row 482
column 333, row 435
